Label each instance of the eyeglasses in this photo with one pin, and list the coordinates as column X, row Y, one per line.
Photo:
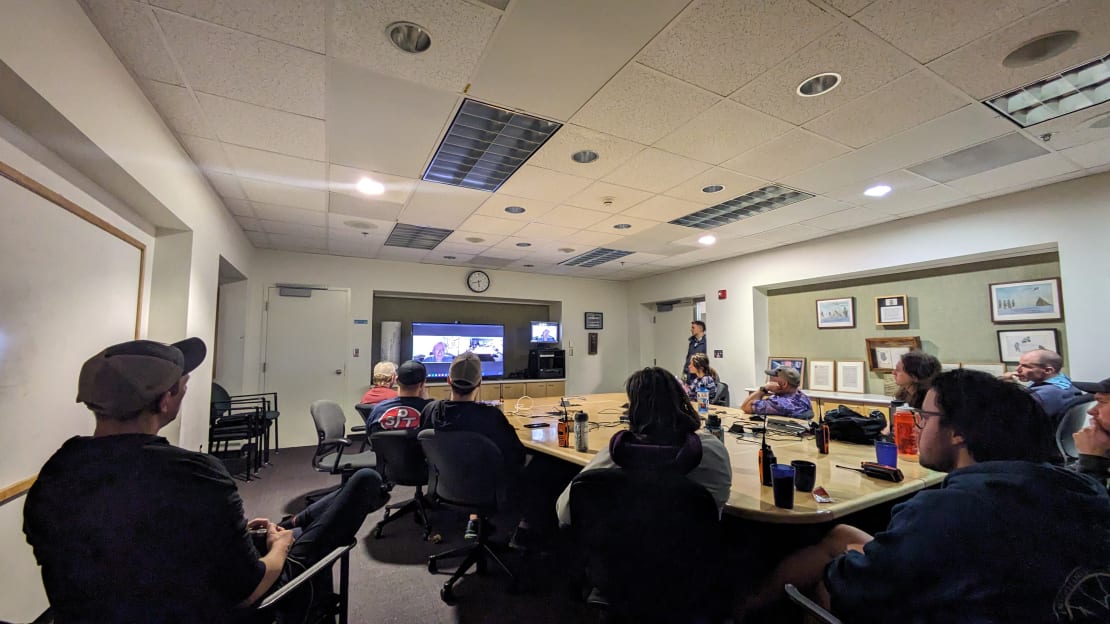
column 919, row 416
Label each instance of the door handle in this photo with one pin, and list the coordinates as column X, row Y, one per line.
column 339, row 371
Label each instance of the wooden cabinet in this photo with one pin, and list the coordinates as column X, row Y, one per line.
column 556, row 388
column 439, row 392
column 512, row 391
column 536, row 389
column 492, row 391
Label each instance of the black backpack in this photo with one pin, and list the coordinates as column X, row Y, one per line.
column 849, row 425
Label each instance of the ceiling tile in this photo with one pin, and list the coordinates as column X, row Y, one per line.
column 264, row 128
column 1089, row 155
column 787, row 215
column 257, row 238
column 571, row 216
column 207, row 154
column 344, row 226
column 916, row 202
column 543, row 231
column 904, row 103
column 655, row 170
column 900, row 181
column 260, row 165
column 345, row 180
column 460, row 237
column 490, row 225
column 791, row 153
column 298, row 243
column 296, row 22
column 264, row 72
column 459, row 30
column 367, row 249
column 638, row 225
column 722, row 44
column 239, row 207
column 1091, row 124
column 556, row 153
column 298, row 216
column 367, row 208
column 268, row 192
column 591, row 239
column 461, row 249
column 434, row 257
column 442, row 206
column 722, row 132
column 178, row 108
column 663, row 208
column 504, row 253
column 665, row 232
column 608, row 197
column 495, row 206
column 643, row 105
column 931, row 29
column 734, row 183
column 850, row 219
column 849, row 7
column 1039, row 168
column 543, row 184
column 128, row 27
column 295, row 229
column 865, row 62
column 977, row 67
column 225, row 185
column 793, row 233
column 400, row 119
column 401, row 254
column 249, row 223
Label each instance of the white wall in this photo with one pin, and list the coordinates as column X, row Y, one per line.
column 1072, row 216
column 604, row 372
column 231, row 339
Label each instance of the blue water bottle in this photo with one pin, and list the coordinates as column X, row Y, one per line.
column 703, row 401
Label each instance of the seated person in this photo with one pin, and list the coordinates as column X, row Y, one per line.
column 128, row 528
column 1041, row 370
column 664, row 429
column 701, row 374
column 385, row 376
column 780, row 396
column 1007, row 537
column 403, row 410
column 1093, row 441
column 545, row 336
column 439, row 353
column 914, row 373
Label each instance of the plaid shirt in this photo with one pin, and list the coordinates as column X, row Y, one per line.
column 796, row 405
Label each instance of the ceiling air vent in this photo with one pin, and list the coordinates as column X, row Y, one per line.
column 1058, row 95
column 485, row 145
column 1005, row 150
column 755, row 203
column 594, row 257
column 416, row 236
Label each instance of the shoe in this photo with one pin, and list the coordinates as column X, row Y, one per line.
column 472, row 527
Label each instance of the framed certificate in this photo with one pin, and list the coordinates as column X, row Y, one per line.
column 595, row 320
column 891, row 310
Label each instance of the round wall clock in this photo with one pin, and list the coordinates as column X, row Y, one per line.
column 478, row 281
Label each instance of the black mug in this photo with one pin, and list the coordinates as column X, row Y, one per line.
column 805, row 475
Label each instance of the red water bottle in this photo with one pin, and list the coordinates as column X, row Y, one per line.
column 905, row 433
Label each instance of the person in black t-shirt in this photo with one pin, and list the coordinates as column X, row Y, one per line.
column 128, row 528
column 404, row 410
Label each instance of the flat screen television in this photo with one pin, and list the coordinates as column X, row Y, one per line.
column 436, row 344
column 545, row 332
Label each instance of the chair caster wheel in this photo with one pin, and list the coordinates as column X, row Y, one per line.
column 377, row 532
column 447, row 595
column 434, row 538
column 432, row 567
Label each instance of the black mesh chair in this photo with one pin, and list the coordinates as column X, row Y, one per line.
column 652, row 544
column 325, row 607
column 722, row 395
column 469, row 472
column 242, row 423
column 331, row 444
column 267, row 405
column 401, row 461
column 813, row 609
column 1074, row 419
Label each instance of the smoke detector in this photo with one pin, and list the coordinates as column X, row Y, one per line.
column 607, row 201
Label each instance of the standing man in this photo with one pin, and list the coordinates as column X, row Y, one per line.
column 1093, row 441
column 128, row 528
column 403, row 410
column 697, row 345
column 1041, row 368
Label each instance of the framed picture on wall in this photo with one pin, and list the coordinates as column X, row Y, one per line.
column 836, row 313
column 891, row 310
column 994, row 368
column 1021, row 302
column 822, row 374
column 883, row 353
column 595, row 320
column 850, row 377
column 797, row 363
column 1013, row 342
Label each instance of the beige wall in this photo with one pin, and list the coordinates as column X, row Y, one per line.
column 948, row 308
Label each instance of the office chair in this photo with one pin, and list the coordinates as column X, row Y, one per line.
column 652, row 543
column 266, row 402
column 332, row 441
column 469, row 472
column 401, row 461
column 327, row 607
column 817, row 611
column 1074, row 419
column 722, row 395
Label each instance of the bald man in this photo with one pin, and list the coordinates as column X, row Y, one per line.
column 1041, row 368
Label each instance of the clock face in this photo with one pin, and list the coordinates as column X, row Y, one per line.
column 478, row 281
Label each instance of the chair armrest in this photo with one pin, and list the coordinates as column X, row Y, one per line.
column 300, row 579
column 815, row 609
column 358, row 429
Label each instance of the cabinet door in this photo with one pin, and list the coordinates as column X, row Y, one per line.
column 556, row 388
column 512, row 391
column 439, row 392
column 536, row 389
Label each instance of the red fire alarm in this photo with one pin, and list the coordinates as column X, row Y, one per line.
column 722, row 294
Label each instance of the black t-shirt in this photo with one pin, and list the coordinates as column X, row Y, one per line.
column 128, row 528
column 479, row 418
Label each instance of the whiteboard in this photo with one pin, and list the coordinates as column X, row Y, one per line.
column 70, row 285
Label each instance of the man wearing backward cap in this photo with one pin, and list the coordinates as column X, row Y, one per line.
column 128, row 528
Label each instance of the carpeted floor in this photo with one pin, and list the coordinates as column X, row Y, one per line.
column 390, row 581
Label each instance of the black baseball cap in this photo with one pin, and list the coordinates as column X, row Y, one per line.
column 128, row 376
column 411, row 373
column 1093, row 386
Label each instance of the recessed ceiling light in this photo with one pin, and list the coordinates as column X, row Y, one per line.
column 514, row 209
column 1076, row 89
column 409, row 37
column 708, row 239
column 819, row 84
column 1041, row 49
column 566, row 249
column 877, row 191
column 524, row 244
column 448, row 257
column 622, row 226
column 713, row 188
column 529, row 266
column 370, row 187
column 1102, row 122
column 475, row 239
column 584, row 156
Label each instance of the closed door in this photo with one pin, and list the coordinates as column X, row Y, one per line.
column 672, row 334
column 305, row 357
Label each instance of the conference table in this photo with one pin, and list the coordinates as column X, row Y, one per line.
column 851, row 490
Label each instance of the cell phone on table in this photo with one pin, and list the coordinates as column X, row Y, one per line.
column 536, row 425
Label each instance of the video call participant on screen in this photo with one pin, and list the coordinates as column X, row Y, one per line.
column 402, row 411
column 439, row 353
column 1007, row 537
column 545, row 336
column 128, row 528
column 780, row 396
column 382, row 382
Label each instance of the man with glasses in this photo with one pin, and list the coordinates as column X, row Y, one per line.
column 1007, row 537
column 1041, row 368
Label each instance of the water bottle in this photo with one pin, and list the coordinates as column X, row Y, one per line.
column 713, row 426
column 581, row 432
column 905, row 434
column 703, row 401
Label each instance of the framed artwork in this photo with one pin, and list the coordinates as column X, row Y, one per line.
column 836, row 313
column 1013, row 342
column 994, row 368
column 595, row 320
column 797, row 363
column 883, row 353
column 891, row 310
column 1021, row 302
column 822, row 373
column 850, row 377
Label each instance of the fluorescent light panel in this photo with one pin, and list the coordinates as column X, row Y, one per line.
column 416, row 236
column 596, row 256
column 485, row 145
column 1076, row 89
column 755, row 203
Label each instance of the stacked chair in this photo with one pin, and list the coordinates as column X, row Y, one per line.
column 245, row 419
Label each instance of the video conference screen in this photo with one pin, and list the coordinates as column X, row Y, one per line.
column 545, row 331
column 436, row 344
